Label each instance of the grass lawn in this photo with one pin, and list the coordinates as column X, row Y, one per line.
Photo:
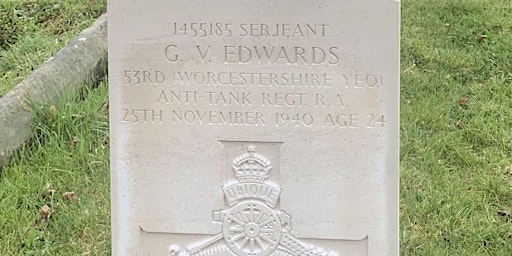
column 456, row 151
column 65, row 168
column 456, row 83
column 33, row 31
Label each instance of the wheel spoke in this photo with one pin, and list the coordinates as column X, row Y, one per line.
column 238, row 237
column 237, row 221
column 236, row 228
column 258, row 217
column 262, row 218
column 265, row 222
column 251, row 214
column 259, row 242
column 266, row 239
column 244, row 216
column 251, row 244
column 244, row 242
column 266, row 230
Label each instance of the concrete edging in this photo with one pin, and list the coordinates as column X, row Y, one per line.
column 81, row 61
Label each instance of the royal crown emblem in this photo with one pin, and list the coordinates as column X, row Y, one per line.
column 252, row 226
column 251, row 166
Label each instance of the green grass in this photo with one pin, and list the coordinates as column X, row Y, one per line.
column 69, row 153
column 33, row 31
column 455, row 128
column 456, row 174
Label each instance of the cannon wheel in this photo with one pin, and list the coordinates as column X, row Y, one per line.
column 251, row 228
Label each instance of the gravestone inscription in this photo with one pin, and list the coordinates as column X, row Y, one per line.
column 254, row 127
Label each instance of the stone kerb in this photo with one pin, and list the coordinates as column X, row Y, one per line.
column 81, row 61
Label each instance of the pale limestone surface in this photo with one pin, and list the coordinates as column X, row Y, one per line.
column 254, row 127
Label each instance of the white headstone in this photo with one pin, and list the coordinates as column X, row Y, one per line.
column 254, row 127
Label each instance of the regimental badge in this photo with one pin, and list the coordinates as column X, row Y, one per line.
column 252, row 226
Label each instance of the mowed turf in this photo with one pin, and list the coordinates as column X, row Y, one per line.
column 456, row 176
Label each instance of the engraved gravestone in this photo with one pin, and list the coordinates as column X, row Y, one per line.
column 254, row 127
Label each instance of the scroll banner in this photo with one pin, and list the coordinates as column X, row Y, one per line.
column 250, row 190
